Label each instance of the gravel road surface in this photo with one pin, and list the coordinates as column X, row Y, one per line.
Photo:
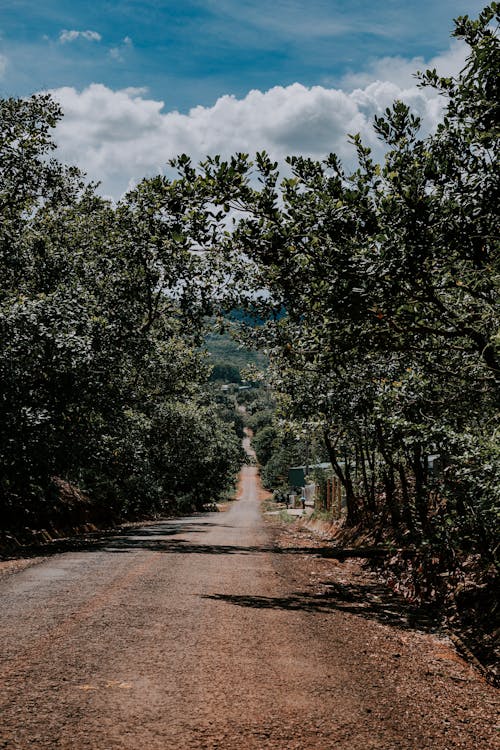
column 200, row 633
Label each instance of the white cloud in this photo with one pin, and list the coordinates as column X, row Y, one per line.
column 117, row 53
column 71, row 35
column 400, row 70
column 135, row 91
column 120, row 136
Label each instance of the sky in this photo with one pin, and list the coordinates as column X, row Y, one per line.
column 140, row 82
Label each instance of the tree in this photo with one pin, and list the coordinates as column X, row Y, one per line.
column 389, row 279
column 101, row 310
column 263, row 443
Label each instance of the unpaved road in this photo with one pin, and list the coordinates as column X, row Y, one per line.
column 198, row 633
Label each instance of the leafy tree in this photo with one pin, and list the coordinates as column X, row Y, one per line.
column 226, row 373
column 101, row 317
column 389, row 279
column 263, row 443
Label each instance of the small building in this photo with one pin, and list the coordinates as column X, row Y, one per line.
column 297, row 474
column 324, row 492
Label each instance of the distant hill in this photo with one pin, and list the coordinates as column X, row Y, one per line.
column 229, row 359
column 250, row 318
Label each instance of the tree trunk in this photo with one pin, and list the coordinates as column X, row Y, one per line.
column 405, row 491
column 420, row 474
column 388, row 478
column 367, row 485
column 353, row 510
column 390, row 496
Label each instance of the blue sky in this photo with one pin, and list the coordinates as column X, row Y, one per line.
column 192, row 52
column 148, row 80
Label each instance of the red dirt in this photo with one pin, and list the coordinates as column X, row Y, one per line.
column 219, row 631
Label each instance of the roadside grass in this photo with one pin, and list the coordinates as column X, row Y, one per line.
column 285, row 517
column 279, row 513
column 225, row 501
column 269, row 506
column 322, row 515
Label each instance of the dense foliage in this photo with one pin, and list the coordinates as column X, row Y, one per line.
column 389, row 276
column 380, row 289
column 101, row 309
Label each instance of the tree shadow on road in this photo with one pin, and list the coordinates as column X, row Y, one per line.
column 369, row 601
column 154, row 538
column 172, row 537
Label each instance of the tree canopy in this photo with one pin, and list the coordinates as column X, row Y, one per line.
column 101, row 317
column 375, row 290
column 389, row 276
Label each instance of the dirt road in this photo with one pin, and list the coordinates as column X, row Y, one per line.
column 198, row 633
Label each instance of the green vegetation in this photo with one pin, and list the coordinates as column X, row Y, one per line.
column 321, row 515
column 276, row 446
column 389, row 276
column 263, row 443
column 373, row 294
column 229, row 359
column 101, row 317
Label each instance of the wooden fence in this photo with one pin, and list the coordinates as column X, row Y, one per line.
column 334, row 496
